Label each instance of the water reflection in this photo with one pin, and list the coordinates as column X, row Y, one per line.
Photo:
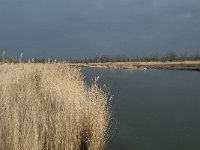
column 156, row 110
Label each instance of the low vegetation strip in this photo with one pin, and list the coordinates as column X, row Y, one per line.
column 177, row 65
column 49, row 107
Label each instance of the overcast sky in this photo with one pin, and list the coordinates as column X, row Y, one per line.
column 83, row 28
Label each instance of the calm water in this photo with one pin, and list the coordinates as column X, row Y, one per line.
column 155, row 110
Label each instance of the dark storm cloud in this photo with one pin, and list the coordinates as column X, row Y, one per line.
column 80, row 28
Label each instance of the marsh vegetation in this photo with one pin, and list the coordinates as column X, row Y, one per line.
column 49, row 107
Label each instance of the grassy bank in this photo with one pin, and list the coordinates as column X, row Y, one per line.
column 175, row 65
column 49, row 107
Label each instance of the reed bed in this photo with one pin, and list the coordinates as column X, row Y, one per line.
column 49, row 107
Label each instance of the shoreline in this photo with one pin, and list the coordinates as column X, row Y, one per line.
column 175, row 65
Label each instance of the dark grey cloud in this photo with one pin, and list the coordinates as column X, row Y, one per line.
column 80, row 28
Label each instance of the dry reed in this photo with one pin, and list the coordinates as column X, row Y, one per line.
column 49, row 107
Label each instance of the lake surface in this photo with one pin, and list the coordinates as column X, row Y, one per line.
column 154, row 110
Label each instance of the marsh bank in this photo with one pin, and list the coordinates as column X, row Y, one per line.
column 176, row 65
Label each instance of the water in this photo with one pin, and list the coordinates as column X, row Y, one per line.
column 154, row 110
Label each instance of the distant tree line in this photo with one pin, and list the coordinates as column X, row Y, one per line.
column 169, row 56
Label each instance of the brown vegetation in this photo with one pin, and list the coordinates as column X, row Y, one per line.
column 183, row 65
column 49, row 107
